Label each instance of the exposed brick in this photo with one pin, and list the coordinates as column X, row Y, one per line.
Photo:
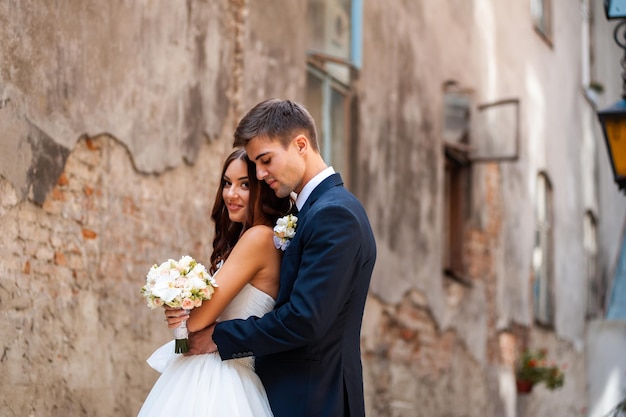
column 91, row 145
column 63, row 180
column 508, row 348
column 89, row 234
column 58, row 194
column 59, row 259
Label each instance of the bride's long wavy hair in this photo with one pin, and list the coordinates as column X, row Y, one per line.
column 263, row 208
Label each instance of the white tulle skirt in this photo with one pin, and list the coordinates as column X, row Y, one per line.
column 204, row 386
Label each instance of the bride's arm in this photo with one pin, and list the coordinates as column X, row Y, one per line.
column 248, row 257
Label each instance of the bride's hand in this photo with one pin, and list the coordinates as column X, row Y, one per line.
column 175, row 316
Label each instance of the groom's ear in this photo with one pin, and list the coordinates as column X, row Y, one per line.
column 302, row 143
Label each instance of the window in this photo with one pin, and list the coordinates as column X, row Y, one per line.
column 333, row 58
column 542, row 254
column 541, row 13
column 329, row 103
column 456, row 188
column 456, row 181
column 595, row 290
column 591, row 86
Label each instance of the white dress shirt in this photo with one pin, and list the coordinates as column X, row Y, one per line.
column 310, row 186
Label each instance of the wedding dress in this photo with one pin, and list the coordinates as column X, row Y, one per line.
column 204, row 385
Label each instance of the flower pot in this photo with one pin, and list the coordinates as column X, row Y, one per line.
column 524, row 387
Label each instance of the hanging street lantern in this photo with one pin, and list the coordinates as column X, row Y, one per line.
column 613, row 119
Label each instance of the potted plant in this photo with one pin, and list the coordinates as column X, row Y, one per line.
column 532, row 368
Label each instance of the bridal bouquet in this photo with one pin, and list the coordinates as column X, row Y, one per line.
column 180, row 284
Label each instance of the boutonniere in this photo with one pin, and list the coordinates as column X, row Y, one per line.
column 284, row 231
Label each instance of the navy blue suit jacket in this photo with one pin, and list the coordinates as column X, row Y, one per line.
column 308, row 348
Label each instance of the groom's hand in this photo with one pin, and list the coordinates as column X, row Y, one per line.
column 202, row 341
column 175, row 316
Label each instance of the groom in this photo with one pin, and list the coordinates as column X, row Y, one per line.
column 308, row 348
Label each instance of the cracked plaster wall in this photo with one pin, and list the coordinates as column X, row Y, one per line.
column 154, row 74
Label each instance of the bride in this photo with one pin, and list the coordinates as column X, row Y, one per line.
column 245, row 264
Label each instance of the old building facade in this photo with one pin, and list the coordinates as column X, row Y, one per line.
column 466, row 127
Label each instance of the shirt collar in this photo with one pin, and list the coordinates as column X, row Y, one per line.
column 310, row 186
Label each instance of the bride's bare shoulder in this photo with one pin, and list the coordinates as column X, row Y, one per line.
column 258, row 234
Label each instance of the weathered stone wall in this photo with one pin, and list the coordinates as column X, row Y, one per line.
column 154, row 74
column 101, row 105
column 450, row 339
column 76, row 331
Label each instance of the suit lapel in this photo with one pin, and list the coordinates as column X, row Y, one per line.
column 290, row 264
column 332, row 181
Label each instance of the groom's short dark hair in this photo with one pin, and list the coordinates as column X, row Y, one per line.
column 276, row 119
